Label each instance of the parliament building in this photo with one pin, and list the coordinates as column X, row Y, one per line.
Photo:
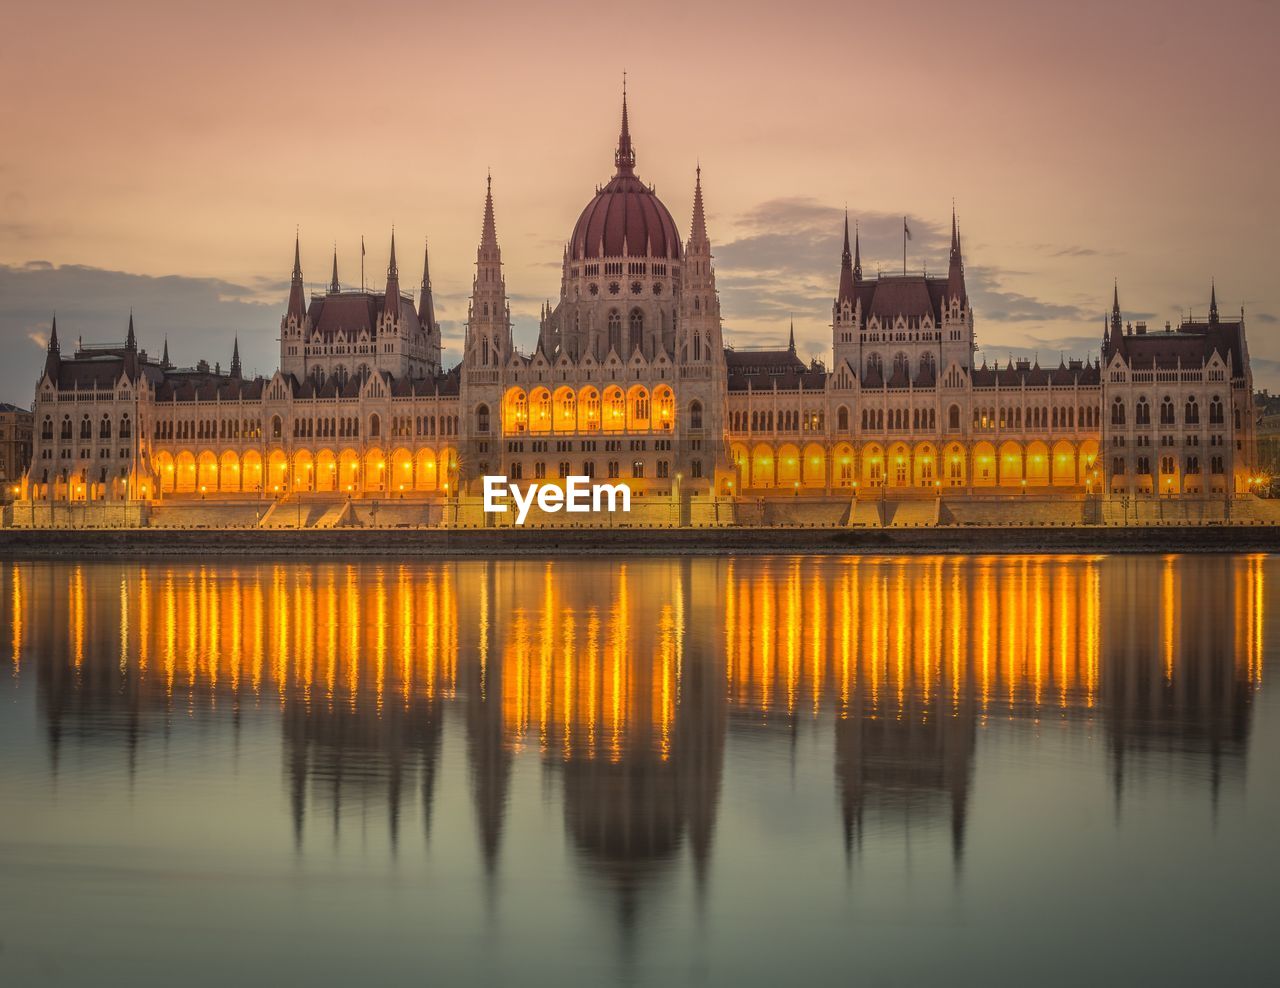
column 632, row 381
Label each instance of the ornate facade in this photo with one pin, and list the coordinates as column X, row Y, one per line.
column 631, row 380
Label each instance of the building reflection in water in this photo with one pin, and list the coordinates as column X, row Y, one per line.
column 628, row 680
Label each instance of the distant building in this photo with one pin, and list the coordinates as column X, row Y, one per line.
column 630, row 380
column 15, row 447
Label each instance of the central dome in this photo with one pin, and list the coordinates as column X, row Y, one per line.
column 625, row 218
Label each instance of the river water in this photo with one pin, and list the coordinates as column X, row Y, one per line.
column 1038, row 769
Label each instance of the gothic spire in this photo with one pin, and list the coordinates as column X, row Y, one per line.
column 297, row 297
column 131, row 341
column 955, row 267
column 489, row 233
column 164, row 358
column 334, row 286
column 791, row 342
column 1213, row 303
column 625, row 157
column 1115, row 310
column 698, row 228
column 392, row 305
column 426, row 306
column 235, row 357
column 857, row 252
column 53, row 357
column 846, row 269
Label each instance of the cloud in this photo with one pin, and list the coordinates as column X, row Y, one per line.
column 785, row 260
column 1266, row 317
column 199, row 316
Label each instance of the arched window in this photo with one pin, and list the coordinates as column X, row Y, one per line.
column 1192, row 411
column 375, row 425
column 637, row 330
column 842, row 419
column 874, row 365
column 900, row 364
column 46, row 429
column 1215, row 411
column 66, row 428
column 926, row 365
column 86, row 428
column 695, row 415
column 104, row 428
column 1117, row 412
column 1166, row 411
column 276, row 427
column 953, row 417
column 1142, row 414
column 615, row 331
column 482, row 418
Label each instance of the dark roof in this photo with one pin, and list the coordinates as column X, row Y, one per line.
column 763, row 370
column 353, row 312
column 912, row 296
column 1190, row 345
column 627, row 218
column 1023, row 374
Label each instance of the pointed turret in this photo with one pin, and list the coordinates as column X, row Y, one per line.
column 131, row 340
column 1213, row 303
column 235, row 357
column 1116, row 323
column 165, row 363
column 791, row 341
column 847, row 293
column 955, row 267
column 625, row 157
column 489, row 231
column 297, row 297
column 334, row 285
column 857, row 251
column 392, row 305
column 698, row 227
column 426, row 305
column 488, row 322
column 53, row 355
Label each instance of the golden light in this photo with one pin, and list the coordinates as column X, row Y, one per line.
column 203, row 489
column 844, row 461
column 169, row 467
column 791, row 461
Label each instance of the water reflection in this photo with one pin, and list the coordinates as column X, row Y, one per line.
column 626, row 681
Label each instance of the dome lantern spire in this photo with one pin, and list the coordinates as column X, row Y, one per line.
column 625, row 157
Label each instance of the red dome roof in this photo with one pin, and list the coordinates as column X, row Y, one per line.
column 625, row 217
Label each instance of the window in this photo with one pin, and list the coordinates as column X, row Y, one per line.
column 637, row 469
column 482, row 418
column 695, row 415
column 1117, row 412
column 842, row 419
column 615, row 330
column 540, row 470
column 1191, row 414
column 953, row 417
column 46, row 429
column 637, row 330
column 276, row 427
column 1142, row 413
column 695, row 468
column 1166, row 411
column 1215, row 410
column 86, row 428
column 375, row 425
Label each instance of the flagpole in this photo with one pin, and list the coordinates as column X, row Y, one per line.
column 904, row 245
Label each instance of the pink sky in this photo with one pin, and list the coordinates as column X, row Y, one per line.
column 1081, row 142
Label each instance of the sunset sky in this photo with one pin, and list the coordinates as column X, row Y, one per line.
column 159, row 156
